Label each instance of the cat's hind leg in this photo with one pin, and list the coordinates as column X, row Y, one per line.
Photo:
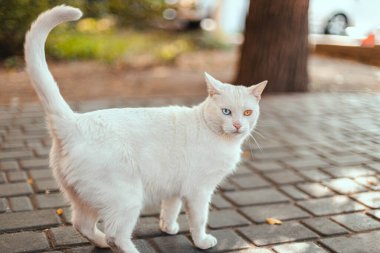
column 170, row 209
column 84, row 220
column 120, row 216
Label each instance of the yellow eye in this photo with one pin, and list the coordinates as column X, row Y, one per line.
column 247, row 112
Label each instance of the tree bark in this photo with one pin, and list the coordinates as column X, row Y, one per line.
column 276, row 45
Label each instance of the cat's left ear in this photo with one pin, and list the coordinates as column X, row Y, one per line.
column 257, row 89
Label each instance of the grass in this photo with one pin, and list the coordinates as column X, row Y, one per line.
column 111, row 46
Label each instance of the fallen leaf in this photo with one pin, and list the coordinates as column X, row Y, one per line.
column 30, row 180
column 273, row 221
column 371, row 182
column 59, row 211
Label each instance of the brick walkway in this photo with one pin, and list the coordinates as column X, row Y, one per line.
column 318, row 172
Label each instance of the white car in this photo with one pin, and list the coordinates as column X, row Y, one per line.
column 361, row 17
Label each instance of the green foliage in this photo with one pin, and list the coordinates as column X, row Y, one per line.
column 110, row 46
column 17, row 15
column 15, row 18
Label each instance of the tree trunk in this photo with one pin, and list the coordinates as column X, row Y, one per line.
column 276, row 45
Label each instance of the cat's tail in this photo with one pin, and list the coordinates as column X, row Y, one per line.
column 36, row 66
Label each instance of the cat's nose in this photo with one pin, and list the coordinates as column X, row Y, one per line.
column 236, row 125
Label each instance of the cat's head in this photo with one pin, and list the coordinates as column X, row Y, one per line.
column 232, row 110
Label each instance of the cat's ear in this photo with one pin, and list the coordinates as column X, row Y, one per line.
column 213, row 85
column 257, row 89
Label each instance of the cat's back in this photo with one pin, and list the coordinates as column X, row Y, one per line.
column 135, row 122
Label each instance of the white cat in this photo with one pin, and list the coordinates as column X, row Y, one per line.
column 110, row 163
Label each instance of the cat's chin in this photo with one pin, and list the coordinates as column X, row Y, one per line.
column 235, row 134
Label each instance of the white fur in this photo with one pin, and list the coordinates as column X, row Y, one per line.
column 110, row 163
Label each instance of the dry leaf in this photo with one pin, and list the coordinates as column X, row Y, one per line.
column 59, row 211
column 273, row 221
column 30, row 180
column 371, row 182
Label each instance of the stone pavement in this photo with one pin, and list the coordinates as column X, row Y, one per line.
column 318, row 172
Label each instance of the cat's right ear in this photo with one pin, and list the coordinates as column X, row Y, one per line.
column 213, row 85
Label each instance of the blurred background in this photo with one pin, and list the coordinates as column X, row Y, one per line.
column 160, row 48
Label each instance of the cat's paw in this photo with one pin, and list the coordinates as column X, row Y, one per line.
column 208, row 241
column 170, row 229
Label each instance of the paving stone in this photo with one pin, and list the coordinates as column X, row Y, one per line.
column 178, row 243
column 144, row 246
column 330, row 205
column 262, row 235
column 370, row 199
column 20, row 204
column 219, row 202
column 3, row 205
column 284, row 177
column 183, row 223
column 15, row 189
column 67, row 215
column 52, row 200
column 17, row 176
column 41, row 174
column 67, row 236
column 226, row 185
column 242, row 170
column 316, row 190
column 351, row 159
column 279, row 211
column 352, row 171
column 43, row 185
column 266, row 166
column 151, row 210
column 299, row 247
column 228, row 240
column 147, row 227
column 375, row 213
column 89, row 249
column 42, row 152
column 254, row 250
column 357, row 221
column 35, row 163
column 28, row 220
column 306, row 164
column 17, row 154
column 8, row 165
column 325, row 226
column 226, row 218
column 344, row 186
column 293, row 192
column 255, row 197
column 374, row 166
column 371, row 182
column 2, row 178
column 250, row 182
column 314, row 175
column 363, row 243
column 23, row 242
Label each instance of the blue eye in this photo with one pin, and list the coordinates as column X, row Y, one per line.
column 226, row 111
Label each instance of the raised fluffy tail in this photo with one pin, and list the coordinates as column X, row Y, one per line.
column 36, row 66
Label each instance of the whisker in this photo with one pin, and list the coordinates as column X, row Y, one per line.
column 257, row 144
column 259, row 134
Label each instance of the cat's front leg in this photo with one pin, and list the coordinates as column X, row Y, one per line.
column 197, row 206
column 170, row 209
